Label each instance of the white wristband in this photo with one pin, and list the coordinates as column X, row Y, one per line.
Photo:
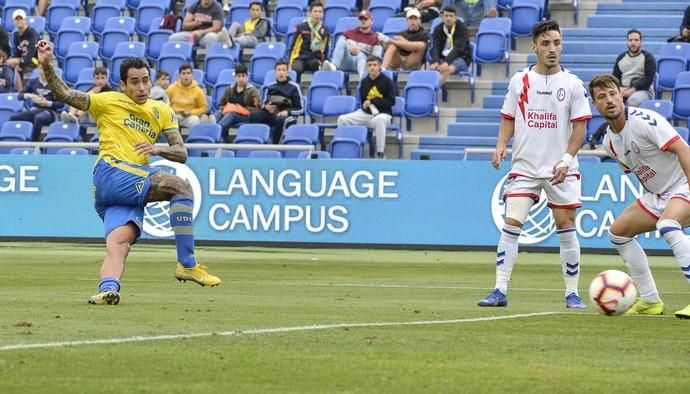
column 565, row 161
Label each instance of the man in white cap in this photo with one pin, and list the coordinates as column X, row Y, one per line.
column 355, row 45
column 406, row 50
column 25, row 38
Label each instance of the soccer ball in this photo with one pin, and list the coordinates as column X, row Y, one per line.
column 612, row 292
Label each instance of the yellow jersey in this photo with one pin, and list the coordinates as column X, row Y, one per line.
column 121, row 123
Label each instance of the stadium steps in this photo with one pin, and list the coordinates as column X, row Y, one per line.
column 642, row 8
column 613, row 34
column 493, row 101
column 606, row 47
column 477, row 115
column 638, row 21
column 473, row 129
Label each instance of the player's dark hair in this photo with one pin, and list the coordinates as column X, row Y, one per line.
column 131, row 63
column 544, row 26
column 373, row 58
column 185, row 66
column 632, row 31
column 450, row 8
column 260, row 4
column 240, row 69
column 603, row 81
column 100, row 71
column 315, row 4
column 161, row 73
column 281, row 62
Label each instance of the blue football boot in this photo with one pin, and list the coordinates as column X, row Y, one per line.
column 574, row 301
column 495, row 298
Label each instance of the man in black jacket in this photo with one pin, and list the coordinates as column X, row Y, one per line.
column 310, row 45
column 378, row 97
column 42, row 105
column 635, row 69
column 25, row 38
column 450, row 51
column 282, row 105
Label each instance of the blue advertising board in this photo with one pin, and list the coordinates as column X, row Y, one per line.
column 382, row 202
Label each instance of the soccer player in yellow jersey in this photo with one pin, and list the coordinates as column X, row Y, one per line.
column 128, row 126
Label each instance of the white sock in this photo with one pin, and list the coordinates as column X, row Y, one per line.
column 673, row 234
column 570, row 258
column 636, row 261
column 506, row 254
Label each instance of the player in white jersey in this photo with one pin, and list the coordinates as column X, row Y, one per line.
column 545, row 111
column 644, row 143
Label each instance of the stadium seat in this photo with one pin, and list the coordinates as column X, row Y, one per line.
column 15, row 131
column 73, row 151
column 219, row 57
column 662, row 107
column 381, row 11
column 132, row 6
column 672, row 60
column 101, row 12
column 397, row 111
column 147, row 11
column 239, row 12
column 57, row 11
column 588, row 159
column 203, row 134
column 117, row 29
column 173, row 55
column 20, row 151
column 73, row 29
column 290, row 36
column 324, row 84
column 492, row 43
column 335, row 106
column 264, row 58
column 38, row 23
column 348, row 142
column 284, row 11
column 421, row 96
column 681, row 96
column 683, row 132
column 81, row 55
column 9, row 104
column 154, row 42
column 251, row 133
column 334, row 10
column 84, row 80
column 61, row 132
column 218, row 153
column 124, row 50
column 524, row 14
column 315, row 154
column 394, row 25
column 226, row 78
column 341, row 26
column 300, row 134
column 13, row 5
column 265, row 154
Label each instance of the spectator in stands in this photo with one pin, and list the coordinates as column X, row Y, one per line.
column 237, row 102
column 5, row 42
column 158, row 90
column 310, row 44
column 203, row 25
column 450, row 52
column 283, row 103
column 378, row 97
column 355, row 45
column 100, row 84
column 635, row 69
column 428, row 8
column 41, row 7
column 9, row 79
column 407, row 49
column 186, row 98
column 473, row 11
column 684, row 35
column 25, row 38
column 42, row 105
column 254, row 30
column 685, row 24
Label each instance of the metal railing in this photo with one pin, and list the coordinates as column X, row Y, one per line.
column 480, row 151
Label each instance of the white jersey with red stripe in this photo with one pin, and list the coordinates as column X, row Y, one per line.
column 641, row 148
column 543, row 107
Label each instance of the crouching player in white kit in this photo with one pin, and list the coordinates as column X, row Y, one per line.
column 545, row 111
column 645, row 144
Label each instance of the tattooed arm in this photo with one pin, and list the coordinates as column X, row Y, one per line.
column 176, row 151
column 61, row 91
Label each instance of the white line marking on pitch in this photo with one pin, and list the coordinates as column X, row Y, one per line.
column 114, row 341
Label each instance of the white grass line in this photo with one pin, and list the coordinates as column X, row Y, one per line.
column 115, row 341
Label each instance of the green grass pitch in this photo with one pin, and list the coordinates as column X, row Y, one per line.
column 323, row 320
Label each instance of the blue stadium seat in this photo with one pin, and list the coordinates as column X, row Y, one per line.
column 117, row 29
column 80, row 55
column 300, row 134
column 492, row 43
column 348, row 142
column 101, row 12
column 226, row 78
column 154, row 43
column 147, row 11
column 341, row 26
column 315, row 154
column 683, row 132
column 132, row 6
column 334, row 10
column 323, row 85
column 20, row 151
column 251, row 133
column 16, row 131
column 421, row 96
column 264, row 58
column 219, row 57
column 398, row 111
column 72, row 151
column 73, row 29
column 672, row 60
column 382, row 10
column 57, row 11
column 13, row 5
column 124, row 50
column 265, row 154
column 588, row 159
column 173, row 55
column 681, row 96
column 394, row 25
column 524, row 14
column 61, row 132
column 662, row 107
column 284, row 11
column 38, row 23
column 216, row 153
column 290, row 36
column 203, row 134
column 239, row 12
column 84, row 80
